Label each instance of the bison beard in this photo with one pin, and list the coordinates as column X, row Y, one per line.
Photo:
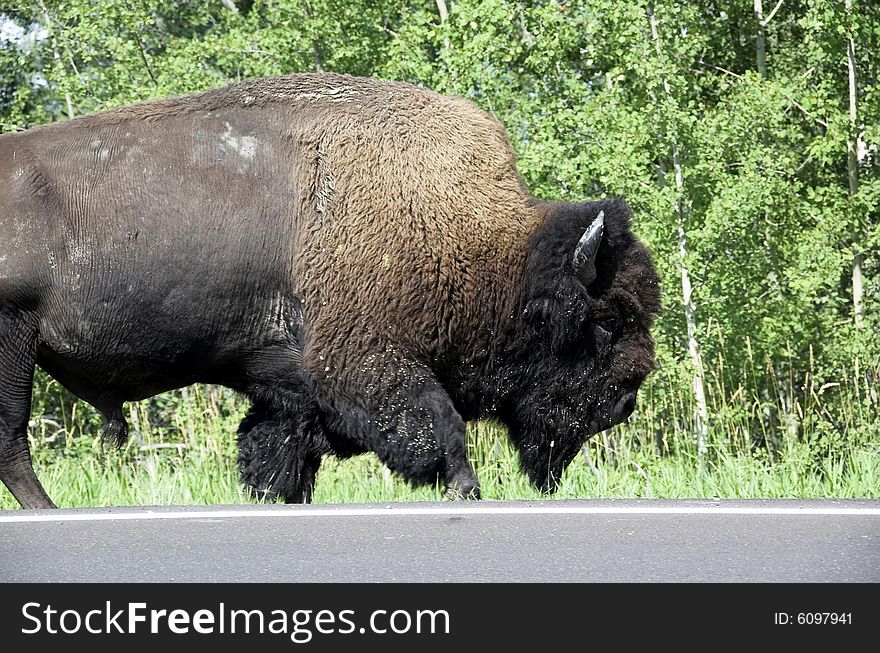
column 358, row 257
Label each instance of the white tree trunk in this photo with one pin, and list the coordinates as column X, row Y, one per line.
column 701, row 421
column 56, row 55
column 761, row 43
column 442, row 10
column 701, row 418
column 316, row 51
column 855, row 151
column 444, row 16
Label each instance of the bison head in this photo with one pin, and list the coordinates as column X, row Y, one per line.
column 581, row 346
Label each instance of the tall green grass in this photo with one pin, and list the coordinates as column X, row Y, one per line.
column 772, row 435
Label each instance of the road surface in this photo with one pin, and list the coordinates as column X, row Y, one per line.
column 550, row 541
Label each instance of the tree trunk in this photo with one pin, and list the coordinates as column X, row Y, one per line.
column 855, row 151
column 56, row 55
column 316, row 51
column 444, row 16
column 761, row 43
column 442, row 10
column 701, row 418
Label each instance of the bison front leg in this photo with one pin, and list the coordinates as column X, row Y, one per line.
column 407, row 419
column 17, row 361
column 459, row 477
column 280, row 448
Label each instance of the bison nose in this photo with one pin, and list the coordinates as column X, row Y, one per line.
column 624, row 407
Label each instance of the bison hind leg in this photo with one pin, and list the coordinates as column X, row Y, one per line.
column 17, row 359
column 279, row 452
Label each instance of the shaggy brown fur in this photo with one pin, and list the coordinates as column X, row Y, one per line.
column 408, row 199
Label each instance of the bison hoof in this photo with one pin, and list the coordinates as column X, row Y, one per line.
column 115, row 432
column 458, row 491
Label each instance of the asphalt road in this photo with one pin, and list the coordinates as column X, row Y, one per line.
column 553, row 541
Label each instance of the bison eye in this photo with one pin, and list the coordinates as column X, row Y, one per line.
column 605, row 314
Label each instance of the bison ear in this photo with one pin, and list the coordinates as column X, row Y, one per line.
column 584, row 260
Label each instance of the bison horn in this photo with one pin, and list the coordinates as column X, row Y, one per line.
column 588, row 246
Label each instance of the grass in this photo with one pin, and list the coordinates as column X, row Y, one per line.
column 772, row 434
column 183, row 452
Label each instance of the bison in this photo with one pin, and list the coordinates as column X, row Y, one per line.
column 360, row 258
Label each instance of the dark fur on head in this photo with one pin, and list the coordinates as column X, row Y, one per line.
column 578, row 354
